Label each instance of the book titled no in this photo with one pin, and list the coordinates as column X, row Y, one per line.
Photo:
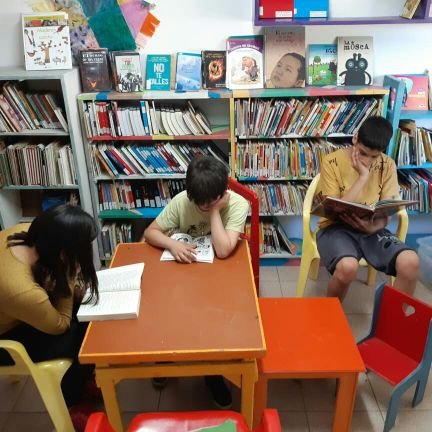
column 119, row 294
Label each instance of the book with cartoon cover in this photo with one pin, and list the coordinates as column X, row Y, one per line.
column 203, row 247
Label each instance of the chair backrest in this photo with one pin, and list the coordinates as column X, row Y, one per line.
column 252, row 197
column 307, row 207
column 23, row 364
column 402, row 321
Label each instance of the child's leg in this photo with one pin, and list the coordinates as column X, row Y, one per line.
column 407, row 269
column 344, row 273
column 340, row 253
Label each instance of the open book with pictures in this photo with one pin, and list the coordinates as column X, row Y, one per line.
column 203, row 247
column 332, row 208
column 119, row 294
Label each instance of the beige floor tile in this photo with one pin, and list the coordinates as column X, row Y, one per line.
column 288, row 273
column 423, row 293
column 289, row 288
column 359, row 299
column 320, row 421
column 382, row 391
column 268, row 274
column 415, row 421
column 270, row 289
column 10, row 392
column 360, row 324
column 315, row 288
column 34, row 422
column 138, row 395
column 362, row 421
column 285, row 395
column 294, row 421
column 186, row 394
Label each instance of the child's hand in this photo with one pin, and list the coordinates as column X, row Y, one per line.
column 221, row 203
column 357, row 164
column 183, row 252
column 368, row 226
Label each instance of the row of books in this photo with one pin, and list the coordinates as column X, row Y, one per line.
column 128, row 196
column 107, row 118
column 282, row 159
column 280, row 198
column 113, row 234
column 160, row 158
column 305, row 117
column 24, row 163
column 274, row 240
column 412, row 145
column 21, row 110
column 417, row 185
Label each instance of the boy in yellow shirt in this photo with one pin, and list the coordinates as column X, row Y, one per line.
column 363, row 173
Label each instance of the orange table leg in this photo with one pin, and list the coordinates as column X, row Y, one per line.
column 345, row 402
column 260, row 399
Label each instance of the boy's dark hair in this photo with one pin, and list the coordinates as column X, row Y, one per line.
column 206, row 179
column 62, row 237
column 301, row 72
column 375, row 133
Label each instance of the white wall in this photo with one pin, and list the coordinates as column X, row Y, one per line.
column 193, row 25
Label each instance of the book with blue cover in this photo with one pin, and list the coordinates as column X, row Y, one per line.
column 188, row 72
column 158, row 72
column 311, row 8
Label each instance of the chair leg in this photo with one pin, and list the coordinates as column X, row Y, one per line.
column 394, row 402
column 420, row 389
column 314, row 268
column 305, row 264
column 392, row 280
column 48, row 384
column 371, row 276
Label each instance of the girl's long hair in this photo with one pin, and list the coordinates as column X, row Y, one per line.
column 62, row 237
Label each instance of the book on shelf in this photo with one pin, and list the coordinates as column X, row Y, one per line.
column 286, row 243
column 119, row 294
column 416, row 94
column 203, row 248
column 311, row 8
column 94, row 70
column 245, row 62
column 322, row 64
column 284, row 53
column 188, row 72
column 46, row 41
column 276, row 9
column 158, row 72
column 355, row 60
column 332, row 208
column 410, row 8
column 126, row 68
column 213, row 69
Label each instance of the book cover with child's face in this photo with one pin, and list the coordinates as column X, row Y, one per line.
column 285, row 57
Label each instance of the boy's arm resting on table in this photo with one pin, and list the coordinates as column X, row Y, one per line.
column 155, row 235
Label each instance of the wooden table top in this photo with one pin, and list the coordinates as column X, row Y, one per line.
column 188, row 312
column 307, row 335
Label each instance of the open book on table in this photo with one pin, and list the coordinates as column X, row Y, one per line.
column 203, row 247
column 332, row 208
column 119, row 294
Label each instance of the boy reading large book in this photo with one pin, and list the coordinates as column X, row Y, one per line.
column 363, row 173
column 205, row 207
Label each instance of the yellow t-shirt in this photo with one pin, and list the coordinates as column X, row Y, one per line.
column 338, row 175
column 22, row 300
column 182, row 215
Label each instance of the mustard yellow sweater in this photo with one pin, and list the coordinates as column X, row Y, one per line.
column 22, row 300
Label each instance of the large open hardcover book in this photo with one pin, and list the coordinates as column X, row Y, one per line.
column 119, row 294
column 332, row 208
column 203, row 247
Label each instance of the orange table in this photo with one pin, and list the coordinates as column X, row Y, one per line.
column 200, row 319
column 309, row 338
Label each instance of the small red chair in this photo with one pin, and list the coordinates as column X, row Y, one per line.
column 252, row 197
column 399, row 345
column 185, row 421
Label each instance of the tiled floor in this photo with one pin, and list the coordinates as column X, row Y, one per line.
column 304, row 405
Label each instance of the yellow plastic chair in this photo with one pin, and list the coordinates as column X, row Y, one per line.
column 47, row 376
column 310, row 258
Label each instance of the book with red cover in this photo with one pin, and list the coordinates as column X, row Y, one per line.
column 416, row 95
column 276, row 8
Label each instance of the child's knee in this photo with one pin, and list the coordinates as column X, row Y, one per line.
column 407, row 264
column 346, row 269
